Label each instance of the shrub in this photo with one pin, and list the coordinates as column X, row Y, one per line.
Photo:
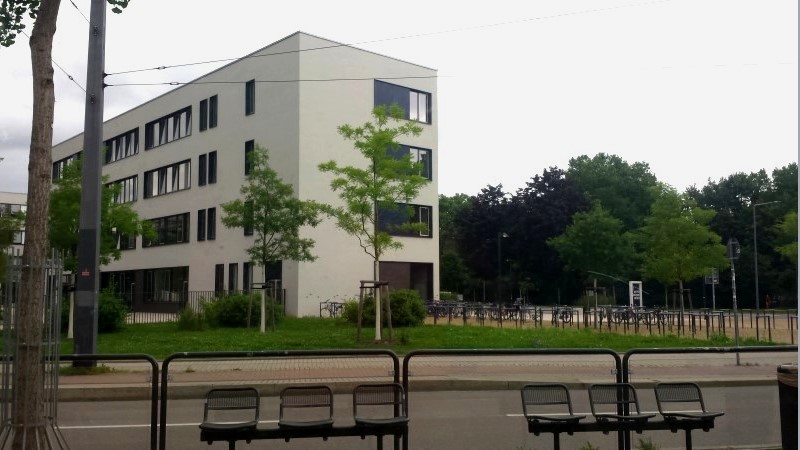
column 111, row 312
column 192, row 320
column 408, row 309
column 231, row 311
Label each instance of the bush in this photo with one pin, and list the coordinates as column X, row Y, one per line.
column 191, row 320
column 231, row 311
column 111, row 312
column 408, row 309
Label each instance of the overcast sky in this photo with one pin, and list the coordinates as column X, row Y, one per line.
column 698, row 89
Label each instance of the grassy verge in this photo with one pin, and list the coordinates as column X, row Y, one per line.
column 160, row 340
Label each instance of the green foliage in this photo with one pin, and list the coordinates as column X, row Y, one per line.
column 191, row 320
column 787, row 233
column 595, row 241
column 269, row 208
column 9, row 224
column 408, row 309
column 116, row 218
column 386, row 180
column 588, row 446
column 448, row 296
column 646, row 444
column 111, row 312
column 231, row 311
column 677, row 242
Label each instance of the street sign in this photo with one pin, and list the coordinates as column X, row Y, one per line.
column 733, row 249
column 635, row 293
column 712, row 276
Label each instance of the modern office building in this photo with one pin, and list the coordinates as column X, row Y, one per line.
column 14, row 203
column 181, row 155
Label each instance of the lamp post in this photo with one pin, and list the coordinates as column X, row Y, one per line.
column 733, row 253
column 500, row 236
column 755, row 261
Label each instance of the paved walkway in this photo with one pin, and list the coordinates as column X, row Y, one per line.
column 192, row 378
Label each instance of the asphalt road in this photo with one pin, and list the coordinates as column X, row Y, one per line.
column 439, row 420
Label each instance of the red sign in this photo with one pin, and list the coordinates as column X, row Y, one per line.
column 85, row 272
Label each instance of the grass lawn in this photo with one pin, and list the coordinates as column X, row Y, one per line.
column 161, row 340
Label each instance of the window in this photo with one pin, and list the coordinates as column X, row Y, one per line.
column 169, row 230
column 249, row 146
column 201, row 170
column 18, row 238
column 168, row 128
column 201, row 225
column 219, row 278
column 212, row 112
column 395, row 220
column 121, row 147
column 125, row 241
column 233, row 276
column 167, row 179
column 212, row 167
column 416, row 104
column 211, row 230
column 12, row 209
column 126, row 189
column 208, row 113
column 419, row 156
column 250, row 97
column 58, row 166
column 203, row 114
column 169, row 284
column 246, row 276
column 248, row 218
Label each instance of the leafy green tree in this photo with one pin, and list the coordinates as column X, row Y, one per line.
column 269, row 207
column 596, row 241
column 787, row 232
column 9, row 224
column 676, row 240
column 453, row 273
column 382, row 183
column 622, row 188
column 28, row 404
column 117, row 220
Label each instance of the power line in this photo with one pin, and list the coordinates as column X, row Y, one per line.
column 80, row 12
column 307, row 80
column 71, row 78
column 410, row 36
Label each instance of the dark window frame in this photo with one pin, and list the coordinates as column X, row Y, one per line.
column 201, row 225
column 212, row 167
column 250, row 97
column 165, row 187
column 167, row 127
column 211, row 224
column 233, row 277
column 203, row 114
column 388, row 219
column 249, row 147
column 202, row 168
column 170, row 230
column 121, row 146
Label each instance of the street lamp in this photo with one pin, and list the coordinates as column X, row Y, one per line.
column 755, row 260
column 733, row 253
column 500, row 236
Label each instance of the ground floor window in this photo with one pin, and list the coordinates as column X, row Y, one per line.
column 407, row 275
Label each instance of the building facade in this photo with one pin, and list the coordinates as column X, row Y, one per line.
column 181, row 155
column 14, row 204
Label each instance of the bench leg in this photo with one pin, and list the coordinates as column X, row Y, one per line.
column 556, row 442
column 380, row 442
column 688, row 439
column 231, row 445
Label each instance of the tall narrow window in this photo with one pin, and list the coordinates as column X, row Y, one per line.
column 201, row 171
column 233, row 276
column 212, row 112
column 249, row 146
column 212, row 167
column 248, row 218
column 219, row 278
column 250, row 97
column 203, row 114
column 211, row 234
column 201, row 225
column 246, row 276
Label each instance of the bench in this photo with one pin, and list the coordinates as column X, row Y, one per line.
column 547, row 408
column 684, row 395
column 224, row 404
column 307, row 412
column 556, row 409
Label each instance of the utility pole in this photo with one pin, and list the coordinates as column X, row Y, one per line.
column 87, row 283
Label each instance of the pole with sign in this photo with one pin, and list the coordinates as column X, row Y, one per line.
column 635, row 293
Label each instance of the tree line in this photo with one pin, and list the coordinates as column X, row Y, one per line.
column 608, row 221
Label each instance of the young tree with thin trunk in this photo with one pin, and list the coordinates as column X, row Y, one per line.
column 386, row 182
column 28, row 404
column 270, row 210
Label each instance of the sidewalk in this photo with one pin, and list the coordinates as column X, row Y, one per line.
column 193, row 378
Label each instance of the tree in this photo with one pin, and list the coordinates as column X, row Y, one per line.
column 270, row 209
column 453, row 274
column 622, row 188
column 595, row 241
column 677, row 242
column 118, row 220
column 787, row 233
column 28, row 404
column 369, row 192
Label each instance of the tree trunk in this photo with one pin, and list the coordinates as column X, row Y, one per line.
column 27, row 416
column 377, row 290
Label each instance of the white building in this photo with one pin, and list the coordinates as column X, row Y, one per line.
column 13, row 203
column 182, row 154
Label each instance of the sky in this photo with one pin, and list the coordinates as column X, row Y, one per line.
column 698, row 89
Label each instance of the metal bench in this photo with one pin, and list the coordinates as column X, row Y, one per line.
column 554, row 408
column 684, row 395
column 311, row 399
column 621, row 396
column 380, row 408
column 224, row 404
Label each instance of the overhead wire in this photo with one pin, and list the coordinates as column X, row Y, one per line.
column 71, row 78
column 179, row 83
column 410, row 36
